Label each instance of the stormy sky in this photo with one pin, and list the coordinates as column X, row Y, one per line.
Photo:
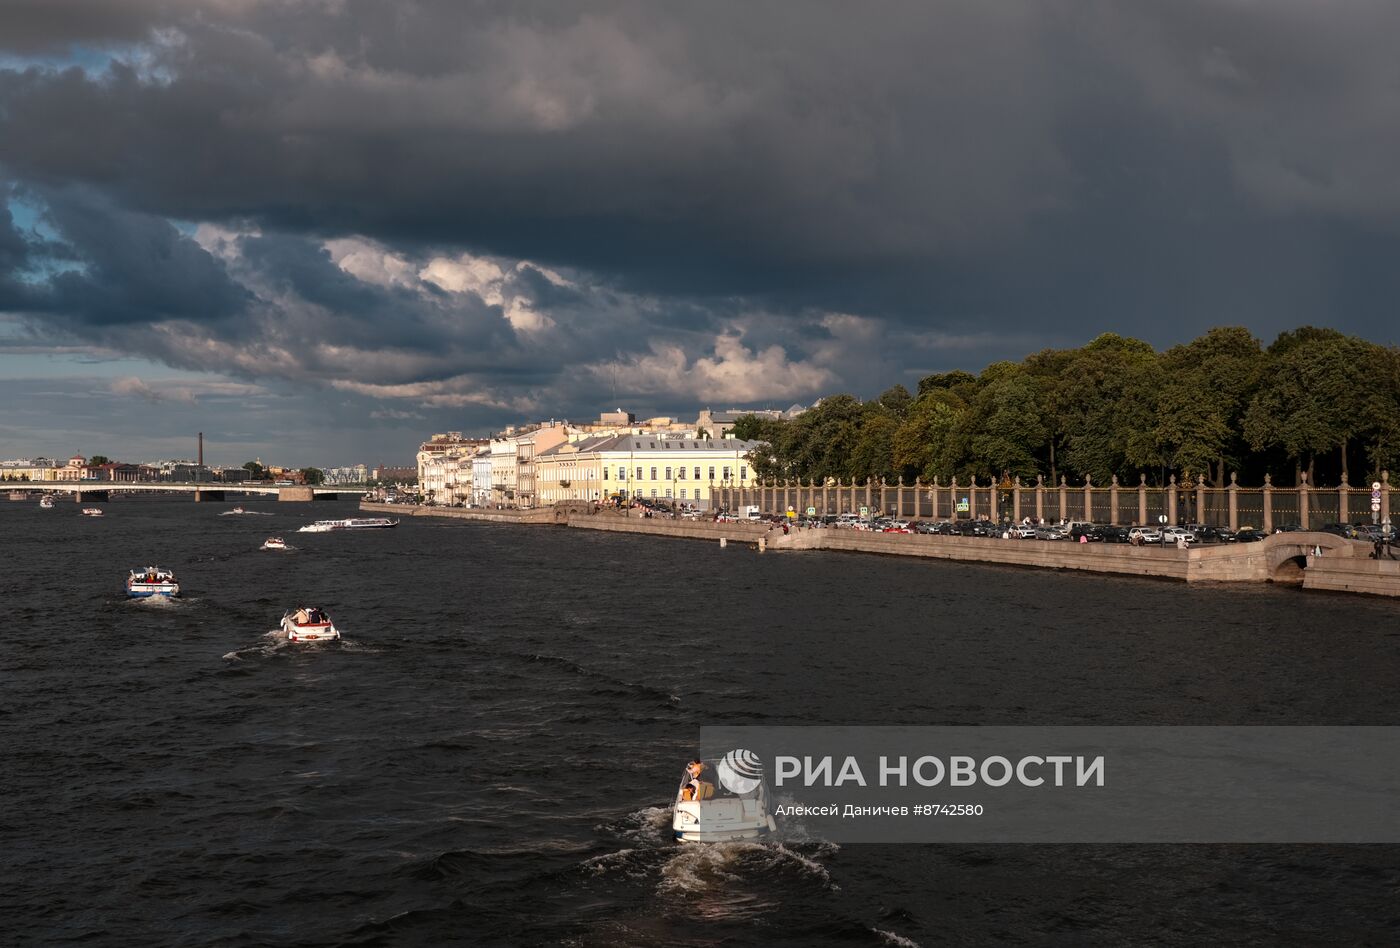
column 319, row 229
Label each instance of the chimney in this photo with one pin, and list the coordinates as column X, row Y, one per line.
column 201, row 449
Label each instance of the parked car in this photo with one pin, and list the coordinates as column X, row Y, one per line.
column 1145, row 534
column 1109, row 534
column 1023, row 531
column 1342, row 530
column 1050, row 533
column 1173, row 534
column 1248, row 535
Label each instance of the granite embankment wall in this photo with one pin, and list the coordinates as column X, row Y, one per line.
column 1354, row 575
column 1341, row 565
column 681, row 529
column 536, row 515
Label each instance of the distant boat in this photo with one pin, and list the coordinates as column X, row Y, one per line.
column 46, row 502
column 309, row 624
column 92, row 511
column 354, row 523
column 151, row 581
column 274, row 543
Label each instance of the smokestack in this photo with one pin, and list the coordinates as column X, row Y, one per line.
column 201, row 449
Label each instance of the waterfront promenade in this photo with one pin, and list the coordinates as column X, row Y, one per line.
column 1319, row 561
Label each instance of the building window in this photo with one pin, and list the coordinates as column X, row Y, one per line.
column 681, row 472
column 712, row 472
column 653, row 474
column 639, row 473
column 697, row 473
column 726, row 472
column 668, row 473
column 605, row 473
column 668, row 493
column 653, row 492
column 743, row 472
column 682, row 493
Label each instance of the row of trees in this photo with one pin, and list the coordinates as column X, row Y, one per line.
column 1315, row 402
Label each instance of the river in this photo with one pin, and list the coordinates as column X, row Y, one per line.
column 488, row 755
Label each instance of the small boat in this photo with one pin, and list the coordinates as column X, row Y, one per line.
column 354, row 523
column 151, row 581
column 722, row 800
column 92, row 511
column 46, row 502
column 274, row 543
column 309, row 624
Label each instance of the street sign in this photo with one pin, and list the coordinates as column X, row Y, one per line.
column 1162, row 518
column 964, row 506
column 865, row 511
column 811, row 511
column 1376, row 505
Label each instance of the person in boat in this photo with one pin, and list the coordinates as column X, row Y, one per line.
column 690, row 790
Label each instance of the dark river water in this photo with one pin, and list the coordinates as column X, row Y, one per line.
column 488, row 756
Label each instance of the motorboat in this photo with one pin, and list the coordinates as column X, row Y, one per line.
column 92, row 511
column 722, row 800
column 235, row 510
column 309, row 624
column 151, row 581
column 46, row 502
column 354, row 523
column 274, row 543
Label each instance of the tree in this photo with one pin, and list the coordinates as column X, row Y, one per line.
column 313, row 475
column 98, row 459
column 1206, row 387
column 1310, row 399
column 255, row 470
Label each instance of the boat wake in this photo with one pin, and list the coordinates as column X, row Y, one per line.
column 246, row 513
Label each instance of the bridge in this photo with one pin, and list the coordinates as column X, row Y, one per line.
column 86, row 491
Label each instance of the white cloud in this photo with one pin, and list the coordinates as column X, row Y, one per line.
column 732, row 373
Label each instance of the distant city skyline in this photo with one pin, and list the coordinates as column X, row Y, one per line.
column 320, row 232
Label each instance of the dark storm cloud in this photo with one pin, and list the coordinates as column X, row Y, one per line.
column 892, row 183
column 134, row 268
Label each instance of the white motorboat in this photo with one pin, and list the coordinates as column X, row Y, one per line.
column 46, row 502
column 274, row 543
column 309, row 624
column 92, row 511
column 722, row 800
column 151, row 581
column 354, row 523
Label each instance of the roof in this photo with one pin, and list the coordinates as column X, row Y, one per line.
column 646, row 443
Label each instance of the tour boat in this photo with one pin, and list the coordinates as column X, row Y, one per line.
column 354, row 523
column 151, row 581
column 46, row 502
column 309, row 624
column 274, row 543
column 731, row 802
column 92, row 511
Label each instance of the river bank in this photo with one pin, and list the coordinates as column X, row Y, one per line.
column 1315, row 561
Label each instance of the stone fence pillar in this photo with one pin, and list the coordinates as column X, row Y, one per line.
column 1303, row 494
column 1268, row 503
column 1142, row 500
column 1171, row 501
column 1089, row 498
column 1343, row 490
column 1234, row 495
column 1064, row 499
column 1200, row 499
column 1113, row 501
column 1016, row 499
column 1039, row 497
column 1385, row 496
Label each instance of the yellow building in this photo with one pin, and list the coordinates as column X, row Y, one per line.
column 649, row 465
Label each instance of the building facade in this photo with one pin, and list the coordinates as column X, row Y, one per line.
column 642, row 466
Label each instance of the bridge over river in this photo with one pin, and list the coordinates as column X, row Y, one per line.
column 88, row 491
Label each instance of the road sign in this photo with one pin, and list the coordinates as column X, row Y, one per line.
column 964, row 506
column 1376, row 505
column 811, row 511
column 1162, row 518
column 865, row 511
column 1375, row 487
